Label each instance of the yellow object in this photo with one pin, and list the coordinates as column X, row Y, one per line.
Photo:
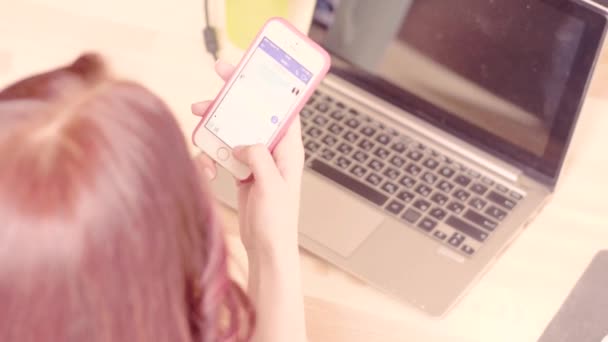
column 244, row 18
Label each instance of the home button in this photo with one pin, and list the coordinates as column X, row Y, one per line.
column 223, row 154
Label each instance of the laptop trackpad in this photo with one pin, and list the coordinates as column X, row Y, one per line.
column 335, row 218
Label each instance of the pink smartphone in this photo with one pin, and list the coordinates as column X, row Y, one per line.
column 271, row 84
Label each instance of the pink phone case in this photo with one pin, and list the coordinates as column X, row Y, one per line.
column 315, row 82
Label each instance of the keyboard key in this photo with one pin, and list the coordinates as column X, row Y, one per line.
column 383, row 139
column 407, row 181
column 390, row 187
column 337, row 115
column 328, row 154
column 473, row 173
column 496, row 213
column 456, row 239
column 479, row 188
column 411, row 215
column 478, row 203
column 422, row 205
column 439, row 198
column 373, row 179
column 413, row 169
column 438, row 213
column 480, row 220
column 306, row 156
column 455, row 207
column 352, row 123
column 405, row 196
column 427, row 224
column 322, row 107
column 398, row 147
column 391, row 173
column 312, row 146
column 335, row 129
column 314, row 132
column 431, row 164
column 395, row 207
column 462, row 180
column 467, row 249
column 445, row 186
column 344, row 148
column 502, row 188
column 351, row 137
column 487, row 181
column 343, row 162
column 501, row 200
column 376, row 165
column 397, row 161
column 361, row 157
column 353, row 185
column 440, row 235
column 414, row 155
column 423, row 190
column 320, row 120
column 368, row 131
column 306, row 113
column 516, row 196
column 366, row 145
column 358, row 171
column 429, row 178
column 446, row 172
column 329, row 140
column 461, row 195
column 466, row 228
column 381, row 153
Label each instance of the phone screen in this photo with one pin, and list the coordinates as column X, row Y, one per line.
column 261, row 97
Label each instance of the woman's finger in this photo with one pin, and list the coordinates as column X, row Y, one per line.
column 224, row 69
column 200, row 108
column 289, row 152
column 206, row 166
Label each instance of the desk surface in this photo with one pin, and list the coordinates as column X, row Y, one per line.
column 159, row 43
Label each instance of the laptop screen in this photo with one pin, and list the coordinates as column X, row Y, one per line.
column 506, row 75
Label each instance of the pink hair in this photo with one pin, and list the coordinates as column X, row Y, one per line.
column 106, row 231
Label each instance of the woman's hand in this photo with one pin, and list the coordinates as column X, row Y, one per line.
column 268, row 205
column 268, row 208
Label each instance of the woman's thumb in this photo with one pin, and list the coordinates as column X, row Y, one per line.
column 259, row 160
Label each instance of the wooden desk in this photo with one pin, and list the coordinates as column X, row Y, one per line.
column 159, row 43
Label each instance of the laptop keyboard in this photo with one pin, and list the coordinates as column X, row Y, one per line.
column 448, row 201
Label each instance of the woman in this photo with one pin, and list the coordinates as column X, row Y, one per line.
column 108, row 231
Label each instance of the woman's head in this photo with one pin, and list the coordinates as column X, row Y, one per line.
column 106, row 232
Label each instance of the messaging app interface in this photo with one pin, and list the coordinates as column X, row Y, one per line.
column 261, row 97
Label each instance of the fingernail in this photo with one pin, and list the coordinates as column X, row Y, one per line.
column 238, row 149
column 196, row 104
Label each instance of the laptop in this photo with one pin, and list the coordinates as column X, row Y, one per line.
column 438, row 135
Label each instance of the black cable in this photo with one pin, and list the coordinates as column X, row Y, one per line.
column 209, row 34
